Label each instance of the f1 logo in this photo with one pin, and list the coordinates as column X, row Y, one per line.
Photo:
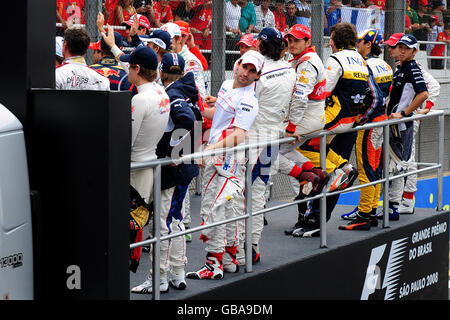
column 373, row 278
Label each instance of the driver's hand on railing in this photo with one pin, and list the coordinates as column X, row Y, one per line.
column 395, row 115
column 423, row 111
column 296, row 136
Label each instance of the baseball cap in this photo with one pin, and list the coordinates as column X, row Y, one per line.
column 248, row 39
column 299, row 31
column 435, row 18
column 95, row 45
column 172, row 28
column 59, row 44
column 184, row 27
column 143, row 56
column 393, row 39
column 143, row 21
column 253, row 57
column 172, row 59
column 270, row 34
column 372, row 35
column 438, row 3
column 161, row 38
column 423, row 3
column 409, row 40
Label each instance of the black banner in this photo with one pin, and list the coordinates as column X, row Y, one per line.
column 404, row 262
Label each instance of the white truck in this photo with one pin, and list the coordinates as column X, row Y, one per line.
column 16, row 244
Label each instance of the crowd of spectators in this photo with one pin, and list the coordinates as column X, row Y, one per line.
column 424, row 18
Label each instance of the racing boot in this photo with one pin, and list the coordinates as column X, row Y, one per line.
column 351, row 173
column 147, row 286
column 361, row 222
column 337, row 178
column 351, row 215
column 230, row 264
column 256, row 256
column 213, row 268
column 406, row 206
column 310, row 228
column 301, row 219
column 177, row 281
column 393, row 212
column 373, row 218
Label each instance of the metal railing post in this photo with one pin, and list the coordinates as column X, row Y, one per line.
column 440, row 172
column 248, row 211
column 386, row 176
column 156, row 252
column 323, row 200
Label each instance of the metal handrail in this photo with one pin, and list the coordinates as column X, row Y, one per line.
column 158, row 163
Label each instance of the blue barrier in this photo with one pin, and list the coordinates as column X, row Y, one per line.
column 425, row 197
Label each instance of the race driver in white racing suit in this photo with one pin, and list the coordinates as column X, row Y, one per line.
column 233, row 114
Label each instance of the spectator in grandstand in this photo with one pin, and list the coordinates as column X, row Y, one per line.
column 248, row 16
column 200, row 26
column 145, row 7
column 264, row 16
column 303, row 12
column 291, row 14
column 374, row 23
column 380, row 4
column 369, row 143
column 232, row 17
column 175, row 179
column 357, row 4
column 438, row 11
column 407, row 203
column 332, row 15
column 70, row 12
column 439, row 49
column 432, row 36
column 109, row 67
column 413, row 17
column 186, row 10
column 280, row 16
column 163, row 12
column 421, row 33
column 174, row 4
column 123, row 12
column 73, row 73
column 236, row 108
column 409, row 92
column 59, row 41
